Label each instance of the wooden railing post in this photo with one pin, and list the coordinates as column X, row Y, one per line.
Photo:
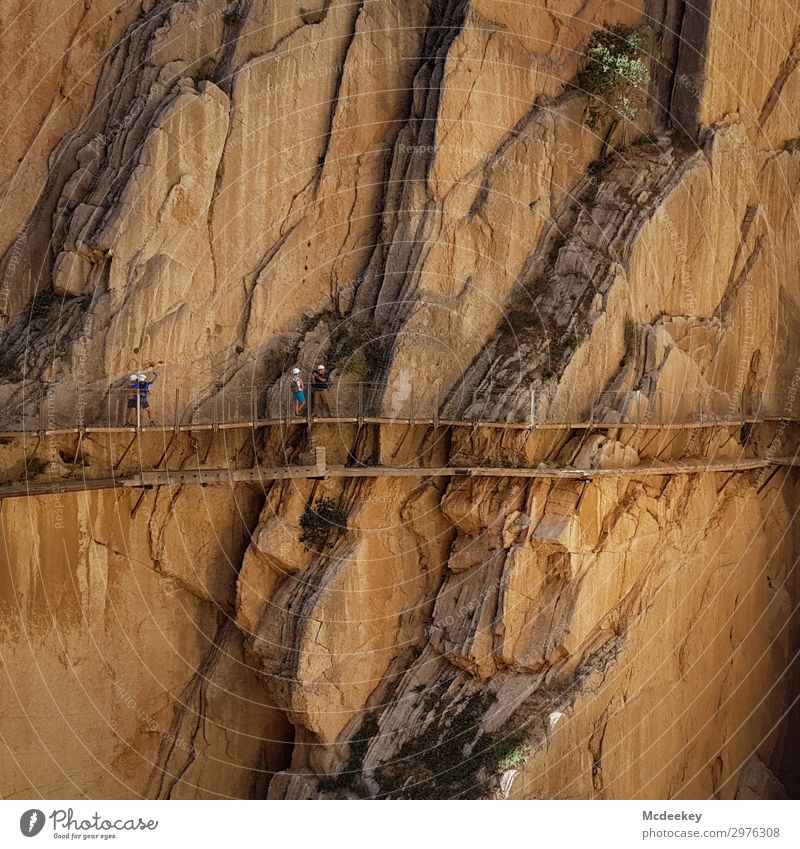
column 320, row 461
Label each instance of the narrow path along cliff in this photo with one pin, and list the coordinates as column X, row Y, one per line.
column 546, row 544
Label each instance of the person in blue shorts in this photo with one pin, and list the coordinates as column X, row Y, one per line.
column 139, row 392
column 298, row 392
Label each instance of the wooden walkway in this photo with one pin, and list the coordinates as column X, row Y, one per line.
column 320, row 470
column 255, row 424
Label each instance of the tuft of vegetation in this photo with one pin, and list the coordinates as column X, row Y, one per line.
column 235, row 14
column 314, row 16
column 450, row 759
column 356, row 349
column 589, row 195
column 616, row 76
column 8, row 367
column 792, row 145
column 433, row 765
column 41, row 303
column 34, row 466
column 350, row 776
column 322, row 524
column 515, row 753
column 645, row 140
column 598, row 166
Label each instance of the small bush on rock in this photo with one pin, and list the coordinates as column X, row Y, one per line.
column 356, row 349
column 322, row 524
column 8, row 367
column 41, row 304
column 314, row 16
column 235, row 14
column 34, row 466
column 616, row 76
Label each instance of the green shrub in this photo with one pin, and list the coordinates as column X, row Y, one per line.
column 8, row 368
column 314, row 16
column 434, row 765
column 598, row 166
column 509, row 754
column 34, row 466
column 356, row 349
column 235, row 14
column 322, row 524
column 41, row 303
column 616, row 76
column 350, row 775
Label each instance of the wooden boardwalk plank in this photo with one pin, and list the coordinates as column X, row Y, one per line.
column 54, row 487
column 182, row 477
column 400, row 422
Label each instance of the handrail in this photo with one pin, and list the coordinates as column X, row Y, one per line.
column 303, row 421
column 258, row 474
column 50, row 409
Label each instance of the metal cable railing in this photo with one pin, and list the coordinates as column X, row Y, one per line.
column 58, row 407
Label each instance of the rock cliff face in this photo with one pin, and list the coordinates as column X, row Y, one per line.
column 416, row 193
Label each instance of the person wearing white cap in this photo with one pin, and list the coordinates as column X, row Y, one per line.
column 320, row 384
column 138, row 397
column 298, row 392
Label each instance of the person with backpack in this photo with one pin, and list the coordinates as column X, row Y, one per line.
column 298, row 392
column 138, row 397
column 320, row 383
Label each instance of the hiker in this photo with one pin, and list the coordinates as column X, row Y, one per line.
column 298, row 392
column 320, row 384
column 138, row 396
